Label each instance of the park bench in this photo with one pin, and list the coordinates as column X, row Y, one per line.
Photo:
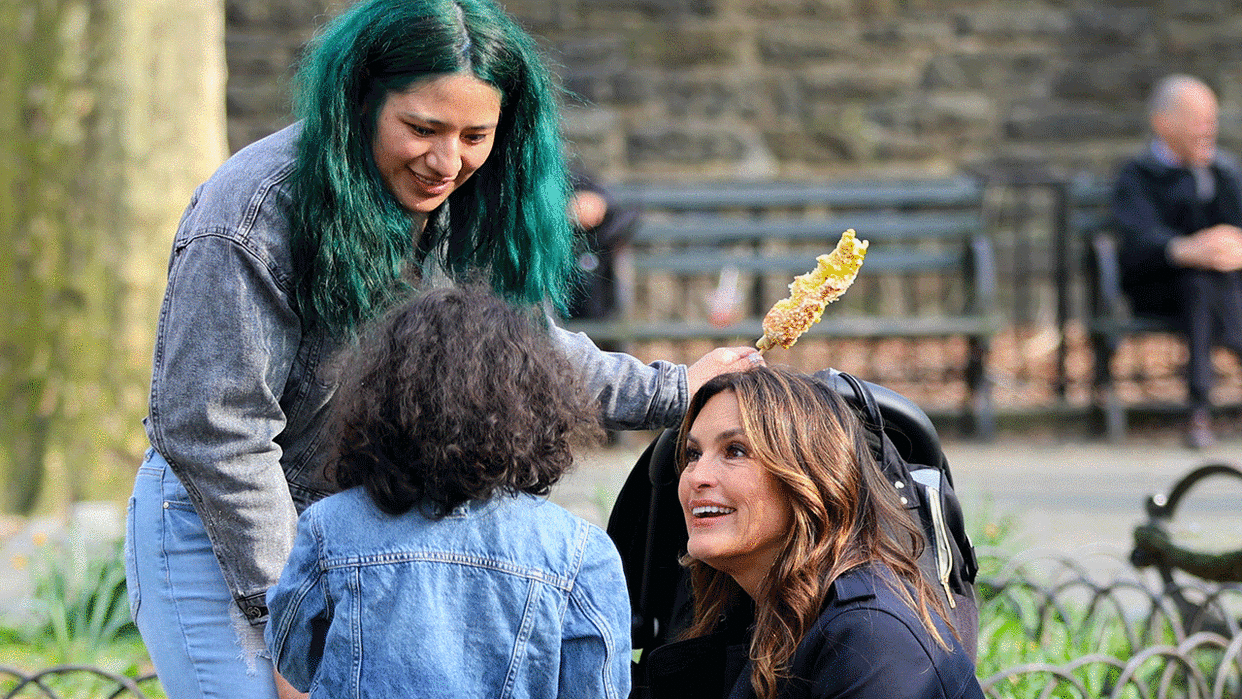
column 929, row 272
column 1109, row 319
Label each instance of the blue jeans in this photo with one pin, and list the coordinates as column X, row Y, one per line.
column 200, row 643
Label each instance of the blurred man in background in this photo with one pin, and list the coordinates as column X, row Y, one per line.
column 1178, row 207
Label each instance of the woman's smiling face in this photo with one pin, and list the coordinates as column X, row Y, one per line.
column 737, row 513
column 432, row 137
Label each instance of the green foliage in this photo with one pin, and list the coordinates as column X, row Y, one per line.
column 80, row 610
column 996, row 537
column 603, row 499
column 78, row 616
column 1067, row 636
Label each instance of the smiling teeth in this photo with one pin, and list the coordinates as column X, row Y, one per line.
column 710, row 510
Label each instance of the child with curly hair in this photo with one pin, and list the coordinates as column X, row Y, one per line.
column 440, row 570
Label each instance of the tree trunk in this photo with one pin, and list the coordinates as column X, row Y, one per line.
column 113, row 112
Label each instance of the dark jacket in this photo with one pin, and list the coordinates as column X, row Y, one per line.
column 1154, row 203
column 866, row 644
column 598, row 296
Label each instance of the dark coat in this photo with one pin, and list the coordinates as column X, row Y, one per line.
column 597, row 248
column 1154, row 203
column 866, row 644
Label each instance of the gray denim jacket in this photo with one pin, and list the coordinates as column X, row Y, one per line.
column 239, row 392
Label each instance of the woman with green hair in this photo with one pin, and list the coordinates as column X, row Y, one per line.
column 427, row 153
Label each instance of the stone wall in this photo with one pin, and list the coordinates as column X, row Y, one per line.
column 824, row 88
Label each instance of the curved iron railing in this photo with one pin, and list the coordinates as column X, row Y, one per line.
column 1043, row 587
column 66, row 681
column 1178, row 636
column 1205, row 665
column 1138, row 634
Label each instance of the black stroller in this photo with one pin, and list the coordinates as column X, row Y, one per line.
column 647, row 526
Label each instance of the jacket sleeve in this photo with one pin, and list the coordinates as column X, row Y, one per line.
column 300, row 612
column 226, row 342
column 869, row 653
column 1142, row 233
column 595, row 640
column 632, row 395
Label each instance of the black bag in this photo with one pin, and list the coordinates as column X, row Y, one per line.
column 920, row 474
column 647, row 527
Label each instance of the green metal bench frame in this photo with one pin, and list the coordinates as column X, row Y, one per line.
column 1109, row 322
column 1109, row 319
column 916, row 227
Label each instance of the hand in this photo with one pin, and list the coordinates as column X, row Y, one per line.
column 721, row 360
column 284, row 690
column 588, row 209
column 1218, row 248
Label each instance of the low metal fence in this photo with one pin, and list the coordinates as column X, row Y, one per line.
column 69, row 681
column 1145, row 607
column 1120, row 632
column 1202, row 666
column 1133, row 635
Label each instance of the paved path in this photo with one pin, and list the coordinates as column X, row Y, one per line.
column 1061, row 496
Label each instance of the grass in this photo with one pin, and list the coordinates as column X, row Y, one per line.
column 1085, row 632
column 77, row 615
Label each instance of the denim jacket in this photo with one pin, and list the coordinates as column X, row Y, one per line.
column 239, row 392
column 511, row 597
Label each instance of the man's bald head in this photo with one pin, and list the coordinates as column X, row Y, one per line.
column 1183, row 113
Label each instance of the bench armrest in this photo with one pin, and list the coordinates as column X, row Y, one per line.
column 1105, row 298
column 981, row 276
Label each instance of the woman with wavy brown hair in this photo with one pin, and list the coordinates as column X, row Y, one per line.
column 802, row 558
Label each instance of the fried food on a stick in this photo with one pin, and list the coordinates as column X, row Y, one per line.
column 811, row 292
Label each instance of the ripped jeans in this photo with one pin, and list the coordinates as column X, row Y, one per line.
column 201, row 645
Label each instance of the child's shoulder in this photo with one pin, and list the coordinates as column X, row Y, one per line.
column 540, row 512
column 348, row 503
column 544, row 520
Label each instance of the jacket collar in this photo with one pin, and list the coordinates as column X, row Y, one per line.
column 1160, row 166
column 854, row 584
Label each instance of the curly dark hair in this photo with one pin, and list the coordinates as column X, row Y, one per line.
column 458, row 395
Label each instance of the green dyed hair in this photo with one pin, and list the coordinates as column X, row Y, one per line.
column 508, row 224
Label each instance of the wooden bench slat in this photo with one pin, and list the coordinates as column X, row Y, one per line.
column 879, row 261
column 918, row 229
column 880, row 226
column 859, row 194
column 1122, row 327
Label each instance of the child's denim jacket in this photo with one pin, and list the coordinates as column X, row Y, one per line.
column 512, row 597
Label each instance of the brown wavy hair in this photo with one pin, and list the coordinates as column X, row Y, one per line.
column 457, row 395
column 845, row 515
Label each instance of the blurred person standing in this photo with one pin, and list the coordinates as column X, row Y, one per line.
column 604, row 227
